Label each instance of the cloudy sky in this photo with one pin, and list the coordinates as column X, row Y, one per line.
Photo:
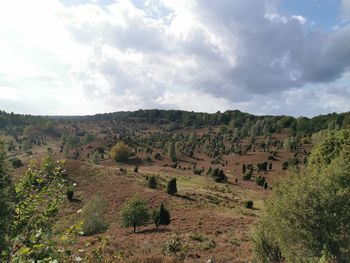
column 260, row 56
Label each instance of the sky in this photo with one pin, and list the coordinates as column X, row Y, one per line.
column 75, row 57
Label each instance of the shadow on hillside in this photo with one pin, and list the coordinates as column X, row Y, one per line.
column 133, row 161
column 185, row 197
column 75, row 200
column 154, row 230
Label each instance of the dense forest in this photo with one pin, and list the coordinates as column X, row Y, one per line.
column 248, row 124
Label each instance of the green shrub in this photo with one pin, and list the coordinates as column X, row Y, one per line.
column 70, row 193
column 136, row 169
column 247, row 176
column 260, row 180
column 265, row 185
column 121, row 152
column 16, row 163
column 171, row 187
column 95, row 158
column 158, row 156
column 7, row 194
column 152, row 182
column 174, row 165
column 209, row 244
column 92, row 216
column 161, row 216
column 285, row 165
column 248, row 204
column 198, row 237
column 172, row 246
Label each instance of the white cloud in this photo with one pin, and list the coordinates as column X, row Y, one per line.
column 88, row 58
column 345, row 6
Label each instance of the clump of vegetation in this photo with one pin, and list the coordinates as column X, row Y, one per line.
column 136, row 169
column 26, row 217
column 16, row 163
column 248, row 204
column 171, row 187
column 152, row 182
column 172, row 246
column 172, row 152
column 70, row 193
column 95, row 158
column 219, row 175
column 260, row 180
column 285, row 165
column 134, row 213
column 121, row 152
column 198, row 237
column 161, row 216
column 308, row 215
column 209, row 244
column 158, row 156
column 248, row 175
column 92, row 216
column 7, row 195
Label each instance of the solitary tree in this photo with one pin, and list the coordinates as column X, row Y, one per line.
column 171, row 151
column 161, row 216
column 171, row 187
column 135, row 213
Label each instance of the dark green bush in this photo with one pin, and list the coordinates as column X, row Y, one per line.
column 171, row 187
column 152, row 182
column 248, row 204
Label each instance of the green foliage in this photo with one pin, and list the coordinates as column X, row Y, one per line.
column 121, row 152
column 248, row 204
column 171, row 151
column 152, row 182
column 89, row 138
column 72, row 140
column 209, row 244
column 161, row 216
column 38, row 195
column 135, row 213
column 70, row 193
column 243, row 168
column 265, row 185
column 309, row 212
column 158, row 156
column 329, row 148
column 6, row 200
column 248, row 175
column 172, row 246
column 26, row 146
column 92, row 216
column 16, row 163
column 219, row 175
column 48, row 165
column 136, row 169
column 265, row 246
column 198, row 237
column 95, row 158
column 260, row 180
column 171, row 187
column 285, row 165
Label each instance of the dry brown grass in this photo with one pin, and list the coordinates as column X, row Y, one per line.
column 152, row 259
